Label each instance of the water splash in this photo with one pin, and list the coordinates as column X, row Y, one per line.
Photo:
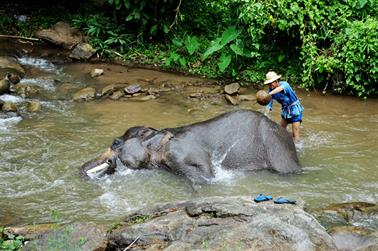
column 11, row 98
column 316, row 139
column 39, row 63
column 216, row 160
column 114, row 202
column 7, row 122
column 44, row 83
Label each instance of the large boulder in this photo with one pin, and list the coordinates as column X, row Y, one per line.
column 235, row 223
column 61, row 34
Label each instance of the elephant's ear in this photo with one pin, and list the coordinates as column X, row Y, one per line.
column 145, row 132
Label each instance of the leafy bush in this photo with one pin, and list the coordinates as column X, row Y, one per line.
column 336, row 42
column 322, row 44
column 9, row 241
column 356, row 50
column 148, row 17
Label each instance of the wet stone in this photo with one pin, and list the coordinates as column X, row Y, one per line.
column 4, row 86
column 116, row 95
column 85, row 94
column 146, row 98
column 82, row 51
column 232, row 89
column 34, row 106
column 25, row 90
column 10, row 65
column 109, row 89
column 196, row 95
column 9, row 107
column 61, row 34
column 132, row 89
column 232, row 100
column 96, row 73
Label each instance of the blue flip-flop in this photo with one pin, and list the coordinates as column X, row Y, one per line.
column 281, row 200
column 262, row 197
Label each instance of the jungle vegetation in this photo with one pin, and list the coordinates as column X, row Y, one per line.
column 325, row 45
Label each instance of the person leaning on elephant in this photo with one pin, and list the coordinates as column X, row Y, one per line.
column 292, row 109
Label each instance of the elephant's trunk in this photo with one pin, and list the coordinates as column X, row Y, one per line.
column 103, row 164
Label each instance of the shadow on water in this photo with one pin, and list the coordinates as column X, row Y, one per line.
column 41, row 153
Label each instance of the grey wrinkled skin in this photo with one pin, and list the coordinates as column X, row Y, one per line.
column 240, row 140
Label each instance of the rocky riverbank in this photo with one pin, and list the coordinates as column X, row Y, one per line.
column 217, row 223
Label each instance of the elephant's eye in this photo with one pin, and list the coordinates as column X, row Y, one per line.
column 116, row 143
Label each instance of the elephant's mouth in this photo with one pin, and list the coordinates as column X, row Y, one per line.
column 104, row 164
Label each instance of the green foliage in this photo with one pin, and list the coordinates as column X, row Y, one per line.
column 146, row 16
column 230, row 48
column 104, row 34
column 322, row 44
column 182, row 50
column 336, row 41
column 356, row 52
column 9, row 241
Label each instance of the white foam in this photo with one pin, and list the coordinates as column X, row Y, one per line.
column 316, row 139
column 113, row 202
column 39, row 63
column 216, row 160
column 5, row 123
column 46, row 84
column 11, row 98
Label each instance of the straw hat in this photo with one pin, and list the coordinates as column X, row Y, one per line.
column 271, row 77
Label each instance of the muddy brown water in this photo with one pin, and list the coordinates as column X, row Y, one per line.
column 41, row 153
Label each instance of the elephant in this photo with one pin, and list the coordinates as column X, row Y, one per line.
column 238, row 140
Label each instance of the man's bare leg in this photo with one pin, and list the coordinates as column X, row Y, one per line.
column 296, row 131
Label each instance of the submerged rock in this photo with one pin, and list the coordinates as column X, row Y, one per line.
column 25, row 90
column 85, row 94
column 9, row 107
column 110, row 89
column 96, row 73
column 34, row 106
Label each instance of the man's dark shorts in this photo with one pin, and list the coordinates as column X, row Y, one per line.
column 294, row 119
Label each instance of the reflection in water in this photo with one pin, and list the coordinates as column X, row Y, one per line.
column 41, row 154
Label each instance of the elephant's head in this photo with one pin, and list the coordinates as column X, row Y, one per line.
column 133, row 150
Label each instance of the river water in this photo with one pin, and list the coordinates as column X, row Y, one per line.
column 41, row 153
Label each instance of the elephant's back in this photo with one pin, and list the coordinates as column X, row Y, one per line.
column 233, row 138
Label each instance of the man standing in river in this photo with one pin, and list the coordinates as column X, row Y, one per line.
column 291, row 110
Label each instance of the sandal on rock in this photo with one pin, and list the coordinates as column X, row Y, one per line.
column 261, row 197
column 282, row 200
